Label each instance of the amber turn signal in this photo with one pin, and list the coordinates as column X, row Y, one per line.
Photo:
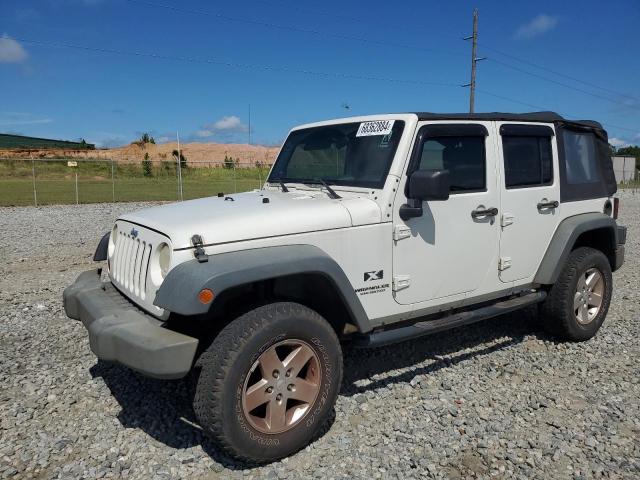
column 205, row 296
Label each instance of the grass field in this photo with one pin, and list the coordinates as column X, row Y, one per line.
column 55, row 182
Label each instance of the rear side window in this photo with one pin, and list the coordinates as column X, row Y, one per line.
column 580, row 158
column 463, row 156
column 527, row 161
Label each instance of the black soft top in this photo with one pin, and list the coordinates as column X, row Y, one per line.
column 568, row 192
column 547, row 117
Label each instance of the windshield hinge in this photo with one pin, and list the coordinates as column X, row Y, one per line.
column 400, row 232
column 198, row 252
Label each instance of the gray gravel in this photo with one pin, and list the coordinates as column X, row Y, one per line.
column 495, row 400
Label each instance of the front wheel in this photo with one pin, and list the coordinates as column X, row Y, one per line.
column 269, row 382
column 578, row 302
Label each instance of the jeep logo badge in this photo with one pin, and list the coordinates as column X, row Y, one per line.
column 134, row 233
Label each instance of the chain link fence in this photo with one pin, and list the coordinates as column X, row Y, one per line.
column 68, row 181
column 72, row 180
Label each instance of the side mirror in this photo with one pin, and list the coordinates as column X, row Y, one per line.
column 429, row 185
column 424, row 185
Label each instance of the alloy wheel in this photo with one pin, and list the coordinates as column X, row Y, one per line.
column 281, row 386
column 589, row 295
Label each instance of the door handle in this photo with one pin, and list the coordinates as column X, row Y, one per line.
column 489, row 212
column 545, row 204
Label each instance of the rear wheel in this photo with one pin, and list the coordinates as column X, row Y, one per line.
column 269, row 382
column 578, row 302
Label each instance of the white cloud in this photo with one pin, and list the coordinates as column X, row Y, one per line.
column 227, row 127
column 230, row 123
column 618, row 142
column 11, row 51
column 537, row 26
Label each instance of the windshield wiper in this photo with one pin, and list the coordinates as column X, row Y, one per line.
column 331, row 192
column 281, row 183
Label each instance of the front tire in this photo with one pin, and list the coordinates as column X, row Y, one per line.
column 269, row 382
column 578, row 302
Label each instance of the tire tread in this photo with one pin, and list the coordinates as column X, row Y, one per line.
column 554, row 312
column 220, row 357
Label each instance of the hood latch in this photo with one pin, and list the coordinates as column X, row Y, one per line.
column 198, row 252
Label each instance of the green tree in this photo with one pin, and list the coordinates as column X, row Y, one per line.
column 629, row 151
column 146, row 138
column 146, row 166
column 228, row 162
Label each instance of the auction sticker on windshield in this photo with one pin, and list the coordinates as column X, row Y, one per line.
column 377, row 127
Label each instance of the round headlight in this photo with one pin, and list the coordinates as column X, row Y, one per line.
column 164, row 259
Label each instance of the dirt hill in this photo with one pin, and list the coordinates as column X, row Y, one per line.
column 195, row 153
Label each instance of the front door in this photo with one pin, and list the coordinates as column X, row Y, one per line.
column 530, row 195
column 452, row 248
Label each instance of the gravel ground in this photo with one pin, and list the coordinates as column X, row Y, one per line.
column 494, row 400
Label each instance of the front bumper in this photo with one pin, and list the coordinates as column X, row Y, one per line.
column 120, row 332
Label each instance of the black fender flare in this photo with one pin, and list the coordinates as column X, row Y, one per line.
column 102, row 249
column 179, row 291
column 565, row 238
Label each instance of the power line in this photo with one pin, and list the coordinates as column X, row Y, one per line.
column 546, row 69
column 275, row 68
column 293, row 28
column 224, row 63
column 315, row 12
column 499, row 52
column 562, row 84
column 363, row 40
column 538, row 107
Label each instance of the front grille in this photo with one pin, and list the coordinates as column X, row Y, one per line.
column 130, row 262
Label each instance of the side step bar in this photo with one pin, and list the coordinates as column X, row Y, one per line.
column 427, row 327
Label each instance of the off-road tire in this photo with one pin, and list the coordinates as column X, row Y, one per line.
column 557, row 313
column 225, row 367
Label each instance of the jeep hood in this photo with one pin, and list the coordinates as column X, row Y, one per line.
column 247, row 216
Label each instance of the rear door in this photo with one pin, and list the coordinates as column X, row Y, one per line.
column 530, row 196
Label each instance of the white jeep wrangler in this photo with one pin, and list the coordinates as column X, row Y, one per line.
column 368, row 231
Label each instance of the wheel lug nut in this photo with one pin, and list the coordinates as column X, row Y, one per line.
column 288, row 373
column 279, row 397
column 291, row 387
column 270, row 390
column 276, row 374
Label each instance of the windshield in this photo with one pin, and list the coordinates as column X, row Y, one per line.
column 357, row 154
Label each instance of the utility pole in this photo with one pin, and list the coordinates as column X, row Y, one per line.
column 474, row 60
column 179, row 167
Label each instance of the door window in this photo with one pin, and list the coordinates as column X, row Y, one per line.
column 580, row 158
column 527, row 161
column 463, row 156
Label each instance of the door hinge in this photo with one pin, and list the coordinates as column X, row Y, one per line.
column 504, row 263
column 400, row 282
column 400, row 232
column 507, row 219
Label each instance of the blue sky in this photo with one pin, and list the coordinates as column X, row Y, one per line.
column 372, row 56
